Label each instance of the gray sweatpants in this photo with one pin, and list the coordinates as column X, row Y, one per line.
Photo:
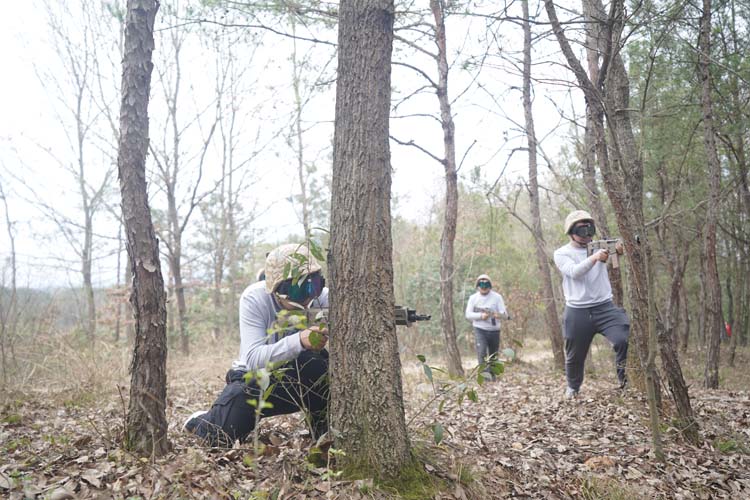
column 579, row 327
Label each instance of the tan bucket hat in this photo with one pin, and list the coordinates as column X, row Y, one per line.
column 576, row 216
column 294, row 254
column 482, row 277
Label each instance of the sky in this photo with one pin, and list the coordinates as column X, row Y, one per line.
column 28, row 126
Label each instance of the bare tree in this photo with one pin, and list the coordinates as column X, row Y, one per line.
column 173, row 161
column 79, row 118
column 546, row 289
column 8, row 295
column 437, row 35
column 146, row 431
column 365, row 367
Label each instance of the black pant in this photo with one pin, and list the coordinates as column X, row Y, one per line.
column 303, row 386
column 487, row 343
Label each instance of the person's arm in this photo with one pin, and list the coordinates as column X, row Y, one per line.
column 470, row 314
column 569, row 267
column 254, row 321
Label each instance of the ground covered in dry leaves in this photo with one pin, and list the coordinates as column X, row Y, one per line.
column 520, row 440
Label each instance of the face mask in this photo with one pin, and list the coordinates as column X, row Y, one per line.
column 309, row 288
column 585, row 231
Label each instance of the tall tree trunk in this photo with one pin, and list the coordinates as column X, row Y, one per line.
column 546, row 292
column 448, row 238
column 688, row 424
column 731, row 318
column 367, row 406
column 684, row 320
column 595, row 132
column 88, row 286
column 8, row 316
column 216, row 295
column 146, row 425
column 118, row 310
column 744, row 327
column 175, row 265
column 714, row 322
column 623, row 179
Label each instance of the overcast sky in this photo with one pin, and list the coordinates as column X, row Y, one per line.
column 28, row 124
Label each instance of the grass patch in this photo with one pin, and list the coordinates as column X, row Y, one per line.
column 413, row 483
column 12, row 419
column 598, row 488
column 730, row 444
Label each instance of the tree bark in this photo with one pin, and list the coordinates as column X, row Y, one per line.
column 594, row 133
column 546, row 291
column 731, row 318
column 714, row 321
column 684, row 321
column 146, row 425
column 448, row 237
column 367, row 409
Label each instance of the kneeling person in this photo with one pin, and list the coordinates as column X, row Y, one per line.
column 304, row 366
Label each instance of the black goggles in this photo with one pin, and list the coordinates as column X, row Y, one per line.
column 308, row 288
column 584, row 230
column 484, row 284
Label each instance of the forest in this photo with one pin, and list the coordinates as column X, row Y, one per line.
column 170, row 169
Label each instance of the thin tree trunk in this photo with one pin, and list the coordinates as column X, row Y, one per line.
column 146, row 425
column 546, row 290
column 688, row 424
column 714, row 322
column 731, row 318
column 367, row 407
column 448, row 237
column 8, row 321
column 623, row 179
column 88, row 287
column 595, row 132
column 118, row 309
column 685, row 320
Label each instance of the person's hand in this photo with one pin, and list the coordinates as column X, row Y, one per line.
column 314, row 338
column 485, row 315
column 601, row 255
column 620, row 248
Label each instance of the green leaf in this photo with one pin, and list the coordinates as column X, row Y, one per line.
column 497, row 368
column 472, row 395
column 317, row 251
column 421, row 358
column 428, row 372
column 316, row 339
column 437, row 433
column 509, row 353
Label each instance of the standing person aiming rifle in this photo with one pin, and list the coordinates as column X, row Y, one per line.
column 588, row 301
column 484, row 309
